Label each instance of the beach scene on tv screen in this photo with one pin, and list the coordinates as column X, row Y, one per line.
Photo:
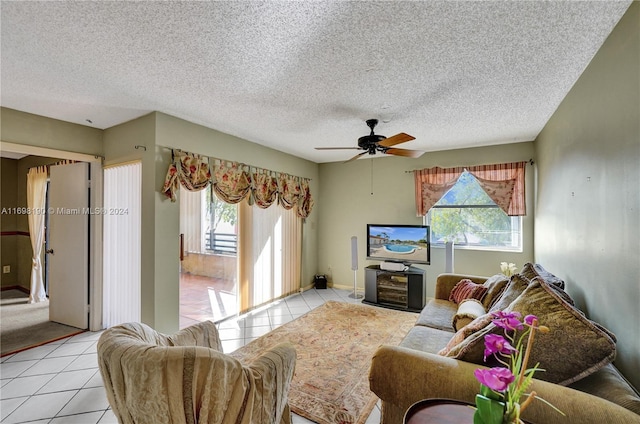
column 398, row 243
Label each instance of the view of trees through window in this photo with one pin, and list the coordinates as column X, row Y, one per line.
column 467, row 216
column 220, row 221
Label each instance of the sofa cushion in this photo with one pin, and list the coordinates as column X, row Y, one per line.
column 573, row 349
column 516, row 285
column 468, row 310
column 438, row 314
column 609, row 384
column 467, row 289
column 495, row 286
column 425, row 339
column 531, row 271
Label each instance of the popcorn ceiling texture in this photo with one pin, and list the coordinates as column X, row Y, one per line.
column 299, row 75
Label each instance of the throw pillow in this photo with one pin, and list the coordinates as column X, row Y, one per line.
column 514, row 288
column 468, row 310
column 467, row 289
column 574, row 348
column 476, row 325
column 495, row 286
column 531, row 271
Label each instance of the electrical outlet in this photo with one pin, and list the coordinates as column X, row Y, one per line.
column 6, row 269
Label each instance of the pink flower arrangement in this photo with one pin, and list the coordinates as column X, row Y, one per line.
column 501, row 388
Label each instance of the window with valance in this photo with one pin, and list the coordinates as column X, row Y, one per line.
column 504, row 183
column 233, row 182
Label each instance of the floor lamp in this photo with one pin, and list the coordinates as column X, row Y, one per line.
column 354, row 267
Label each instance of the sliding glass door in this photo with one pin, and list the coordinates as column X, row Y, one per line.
column 208, row 260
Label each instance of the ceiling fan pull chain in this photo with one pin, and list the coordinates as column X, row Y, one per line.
column 371, row 176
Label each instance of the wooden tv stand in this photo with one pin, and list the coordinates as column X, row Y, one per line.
column 404, row 290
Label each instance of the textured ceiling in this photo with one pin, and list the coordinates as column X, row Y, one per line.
column 299, row 75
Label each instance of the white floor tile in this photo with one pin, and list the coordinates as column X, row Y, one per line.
column 108, row 418
column 281, row 319
column 95, row 380
column 254, row 332
column 39, row 407
column 298, row 310
column 87, row 400
column 69, row 380
column 49, row 366
column 25, row 386
column 14, row 369
column 231, row 333
column 87, row 418
column 229, row 346
column 39, row 352
column 83, row 362
column 69, row 349
column 7, row 406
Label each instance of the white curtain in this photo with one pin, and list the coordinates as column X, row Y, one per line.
column 36, row 196
column 191, row 214
column 270, row 254
column 122, row 244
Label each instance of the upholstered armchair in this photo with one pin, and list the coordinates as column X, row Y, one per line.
column 154, row 378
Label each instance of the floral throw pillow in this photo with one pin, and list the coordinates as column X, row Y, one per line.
column 467, row 289
column 574, row 348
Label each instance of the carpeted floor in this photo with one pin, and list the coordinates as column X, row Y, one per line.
column 334, row 343
column 26, row 325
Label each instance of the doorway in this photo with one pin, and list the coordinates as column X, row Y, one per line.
column 29, row 324
column 208, row 257
column 30, row 156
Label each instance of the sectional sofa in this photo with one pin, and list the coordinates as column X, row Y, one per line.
column 438, row 356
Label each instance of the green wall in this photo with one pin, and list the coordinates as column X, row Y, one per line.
column 588, row 208
column 381, row 191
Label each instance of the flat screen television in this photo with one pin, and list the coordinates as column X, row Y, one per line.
column 408, row 244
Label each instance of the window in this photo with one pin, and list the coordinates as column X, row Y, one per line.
column 467, row 216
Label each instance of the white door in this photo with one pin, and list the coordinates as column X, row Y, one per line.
column 69, row 244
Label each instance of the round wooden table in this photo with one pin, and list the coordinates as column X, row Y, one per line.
column 440, row 411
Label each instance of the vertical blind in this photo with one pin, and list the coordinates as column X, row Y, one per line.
column 270, row 254
column 191, row 213
column 122, row 244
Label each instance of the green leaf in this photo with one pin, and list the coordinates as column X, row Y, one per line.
column 488, row 411
column 487, row 392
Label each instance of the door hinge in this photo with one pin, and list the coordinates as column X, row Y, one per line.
column 88, row 309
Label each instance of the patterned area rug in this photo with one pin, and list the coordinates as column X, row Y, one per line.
column 334, row 343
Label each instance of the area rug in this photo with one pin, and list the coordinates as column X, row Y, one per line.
column 26, row 325
column 334, row 343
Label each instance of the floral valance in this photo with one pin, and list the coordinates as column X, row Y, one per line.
column 188, row 169
column 233, row 182
column 504, row 183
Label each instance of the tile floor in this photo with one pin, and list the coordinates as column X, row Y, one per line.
column 59, row 382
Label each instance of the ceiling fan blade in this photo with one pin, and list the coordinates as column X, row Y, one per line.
column 396, row 139
column 356, row 156
column 337, row 148
column 404, row 152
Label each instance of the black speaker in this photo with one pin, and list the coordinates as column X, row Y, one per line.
column 354, row 253
column 320, row 281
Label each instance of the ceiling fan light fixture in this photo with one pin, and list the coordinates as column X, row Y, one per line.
column 374, row 143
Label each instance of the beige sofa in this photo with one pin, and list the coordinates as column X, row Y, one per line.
column 402, row 375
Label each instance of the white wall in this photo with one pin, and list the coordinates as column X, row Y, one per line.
column 353, row 194
column 588, row 207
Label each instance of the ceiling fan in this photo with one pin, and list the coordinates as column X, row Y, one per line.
column 374, row 143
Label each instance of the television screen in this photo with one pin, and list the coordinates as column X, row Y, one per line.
column 399, row 243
